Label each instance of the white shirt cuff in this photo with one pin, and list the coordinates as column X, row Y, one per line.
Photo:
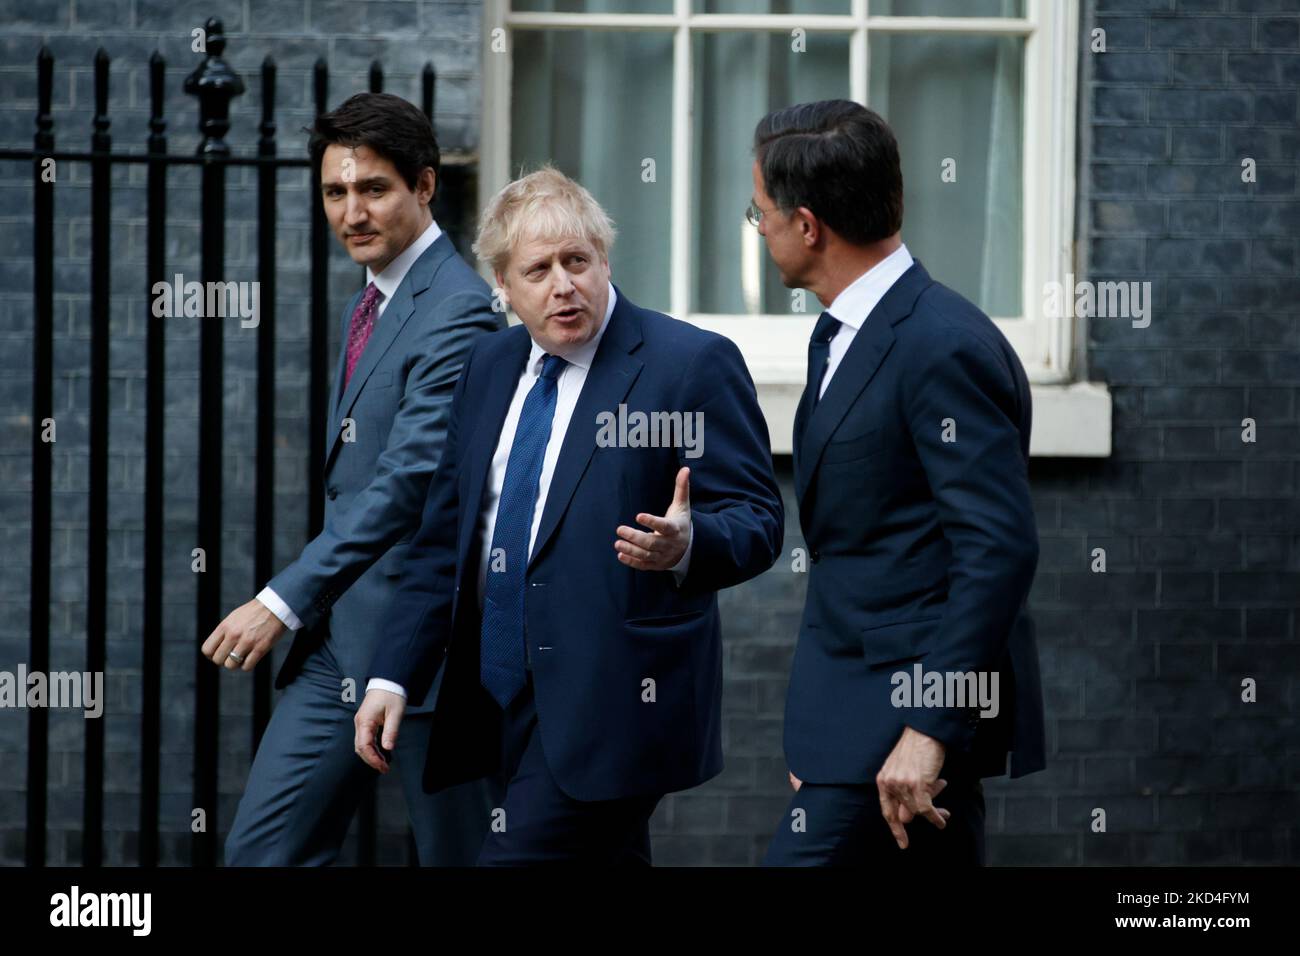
column 276, row 606
column 683, row 566
column 378, row 683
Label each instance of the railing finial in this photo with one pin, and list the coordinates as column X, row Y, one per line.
column 215, row 84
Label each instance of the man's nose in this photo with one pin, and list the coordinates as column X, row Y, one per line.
column 561, row 282
column 355, row 210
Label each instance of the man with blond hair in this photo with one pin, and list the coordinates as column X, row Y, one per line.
column 566, row 572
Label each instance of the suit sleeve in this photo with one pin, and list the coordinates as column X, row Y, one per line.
column 737, row 517
column 389, row 506
column 417, row 629
column 980, row 485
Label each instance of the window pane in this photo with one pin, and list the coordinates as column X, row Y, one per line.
column 772, row 6
column 958, row 99
column 599, row 105
column 947, row 8
column 592, row 6
column 739, row 77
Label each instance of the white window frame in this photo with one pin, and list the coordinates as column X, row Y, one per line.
column 1070, row 419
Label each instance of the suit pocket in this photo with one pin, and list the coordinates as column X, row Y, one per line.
column 379, row 378
column 852, row 448
column 668, row 626
column 668, row 620
column 899, row 642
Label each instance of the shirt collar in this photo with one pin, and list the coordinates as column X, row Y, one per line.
column 863, row 294
column 583, row 355
column 388, row 280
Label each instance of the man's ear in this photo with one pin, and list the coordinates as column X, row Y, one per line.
column 427, row 185
column 809, row 226
column 501, row 284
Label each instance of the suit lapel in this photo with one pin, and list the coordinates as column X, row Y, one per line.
column 870, row 346
column 502, row 380
column 396, row 314
column 816, row 371
column 856, row 370
column 340, row 367
column 610, row 378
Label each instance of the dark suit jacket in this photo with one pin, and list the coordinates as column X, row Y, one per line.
column 375, row 486
column 921, row 549
column 596, row 629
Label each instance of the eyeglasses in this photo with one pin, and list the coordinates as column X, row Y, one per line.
column 754, row 213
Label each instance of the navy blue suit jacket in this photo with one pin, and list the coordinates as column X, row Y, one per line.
column 595, row 628
column 921, row 549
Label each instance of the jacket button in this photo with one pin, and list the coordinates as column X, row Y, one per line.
column 332, row 492
column 815, row 555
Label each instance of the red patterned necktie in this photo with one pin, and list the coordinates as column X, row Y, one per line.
column 363, row 322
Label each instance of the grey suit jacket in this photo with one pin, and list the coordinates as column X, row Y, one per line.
column 398, row 401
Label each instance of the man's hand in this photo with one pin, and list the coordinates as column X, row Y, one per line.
column 250, row 631
column 380, row 708
column 909, row 780
column 661, row 550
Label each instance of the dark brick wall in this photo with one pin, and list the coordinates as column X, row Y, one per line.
column 1142, row 664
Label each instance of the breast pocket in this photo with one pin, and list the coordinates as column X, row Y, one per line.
column 852, row 448
column 379, row 379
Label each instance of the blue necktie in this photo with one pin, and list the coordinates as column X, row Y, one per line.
column 819, row 347
column 502, row 644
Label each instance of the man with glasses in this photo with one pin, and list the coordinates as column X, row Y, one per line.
column 911, row 446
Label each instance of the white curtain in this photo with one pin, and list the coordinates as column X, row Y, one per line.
column 598, row 103
column 961, row 99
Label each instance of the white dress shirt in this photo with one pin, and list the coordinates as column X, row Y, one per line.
column 568, row 387
column 386, row 282
column 852, row 306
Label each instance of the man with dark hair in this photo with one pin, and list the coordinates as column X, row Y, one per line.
column 404, row 342
column 911, row 446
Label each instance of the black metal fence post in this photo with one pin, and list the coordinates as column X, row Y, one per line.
column 154, row 402
column 215, row 84
column 321, row 406
column 264, row 551
column 43, row 178
column 101, row 172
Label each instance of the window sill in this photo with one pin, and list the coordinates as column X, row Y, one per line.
column 1070, row 421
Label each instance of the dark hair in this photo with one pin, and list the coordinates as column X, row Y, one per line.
column 388, row 124
column 839, row 159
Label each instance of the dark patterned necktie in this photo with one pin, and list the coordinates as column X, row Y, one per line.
column 363, row 323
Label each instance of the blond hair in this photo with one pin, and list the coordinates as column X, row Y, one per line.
column 545, row 204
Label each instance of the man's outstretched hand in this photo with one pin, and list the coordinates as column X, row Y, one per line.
column 663, row 546
column 909, row 781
